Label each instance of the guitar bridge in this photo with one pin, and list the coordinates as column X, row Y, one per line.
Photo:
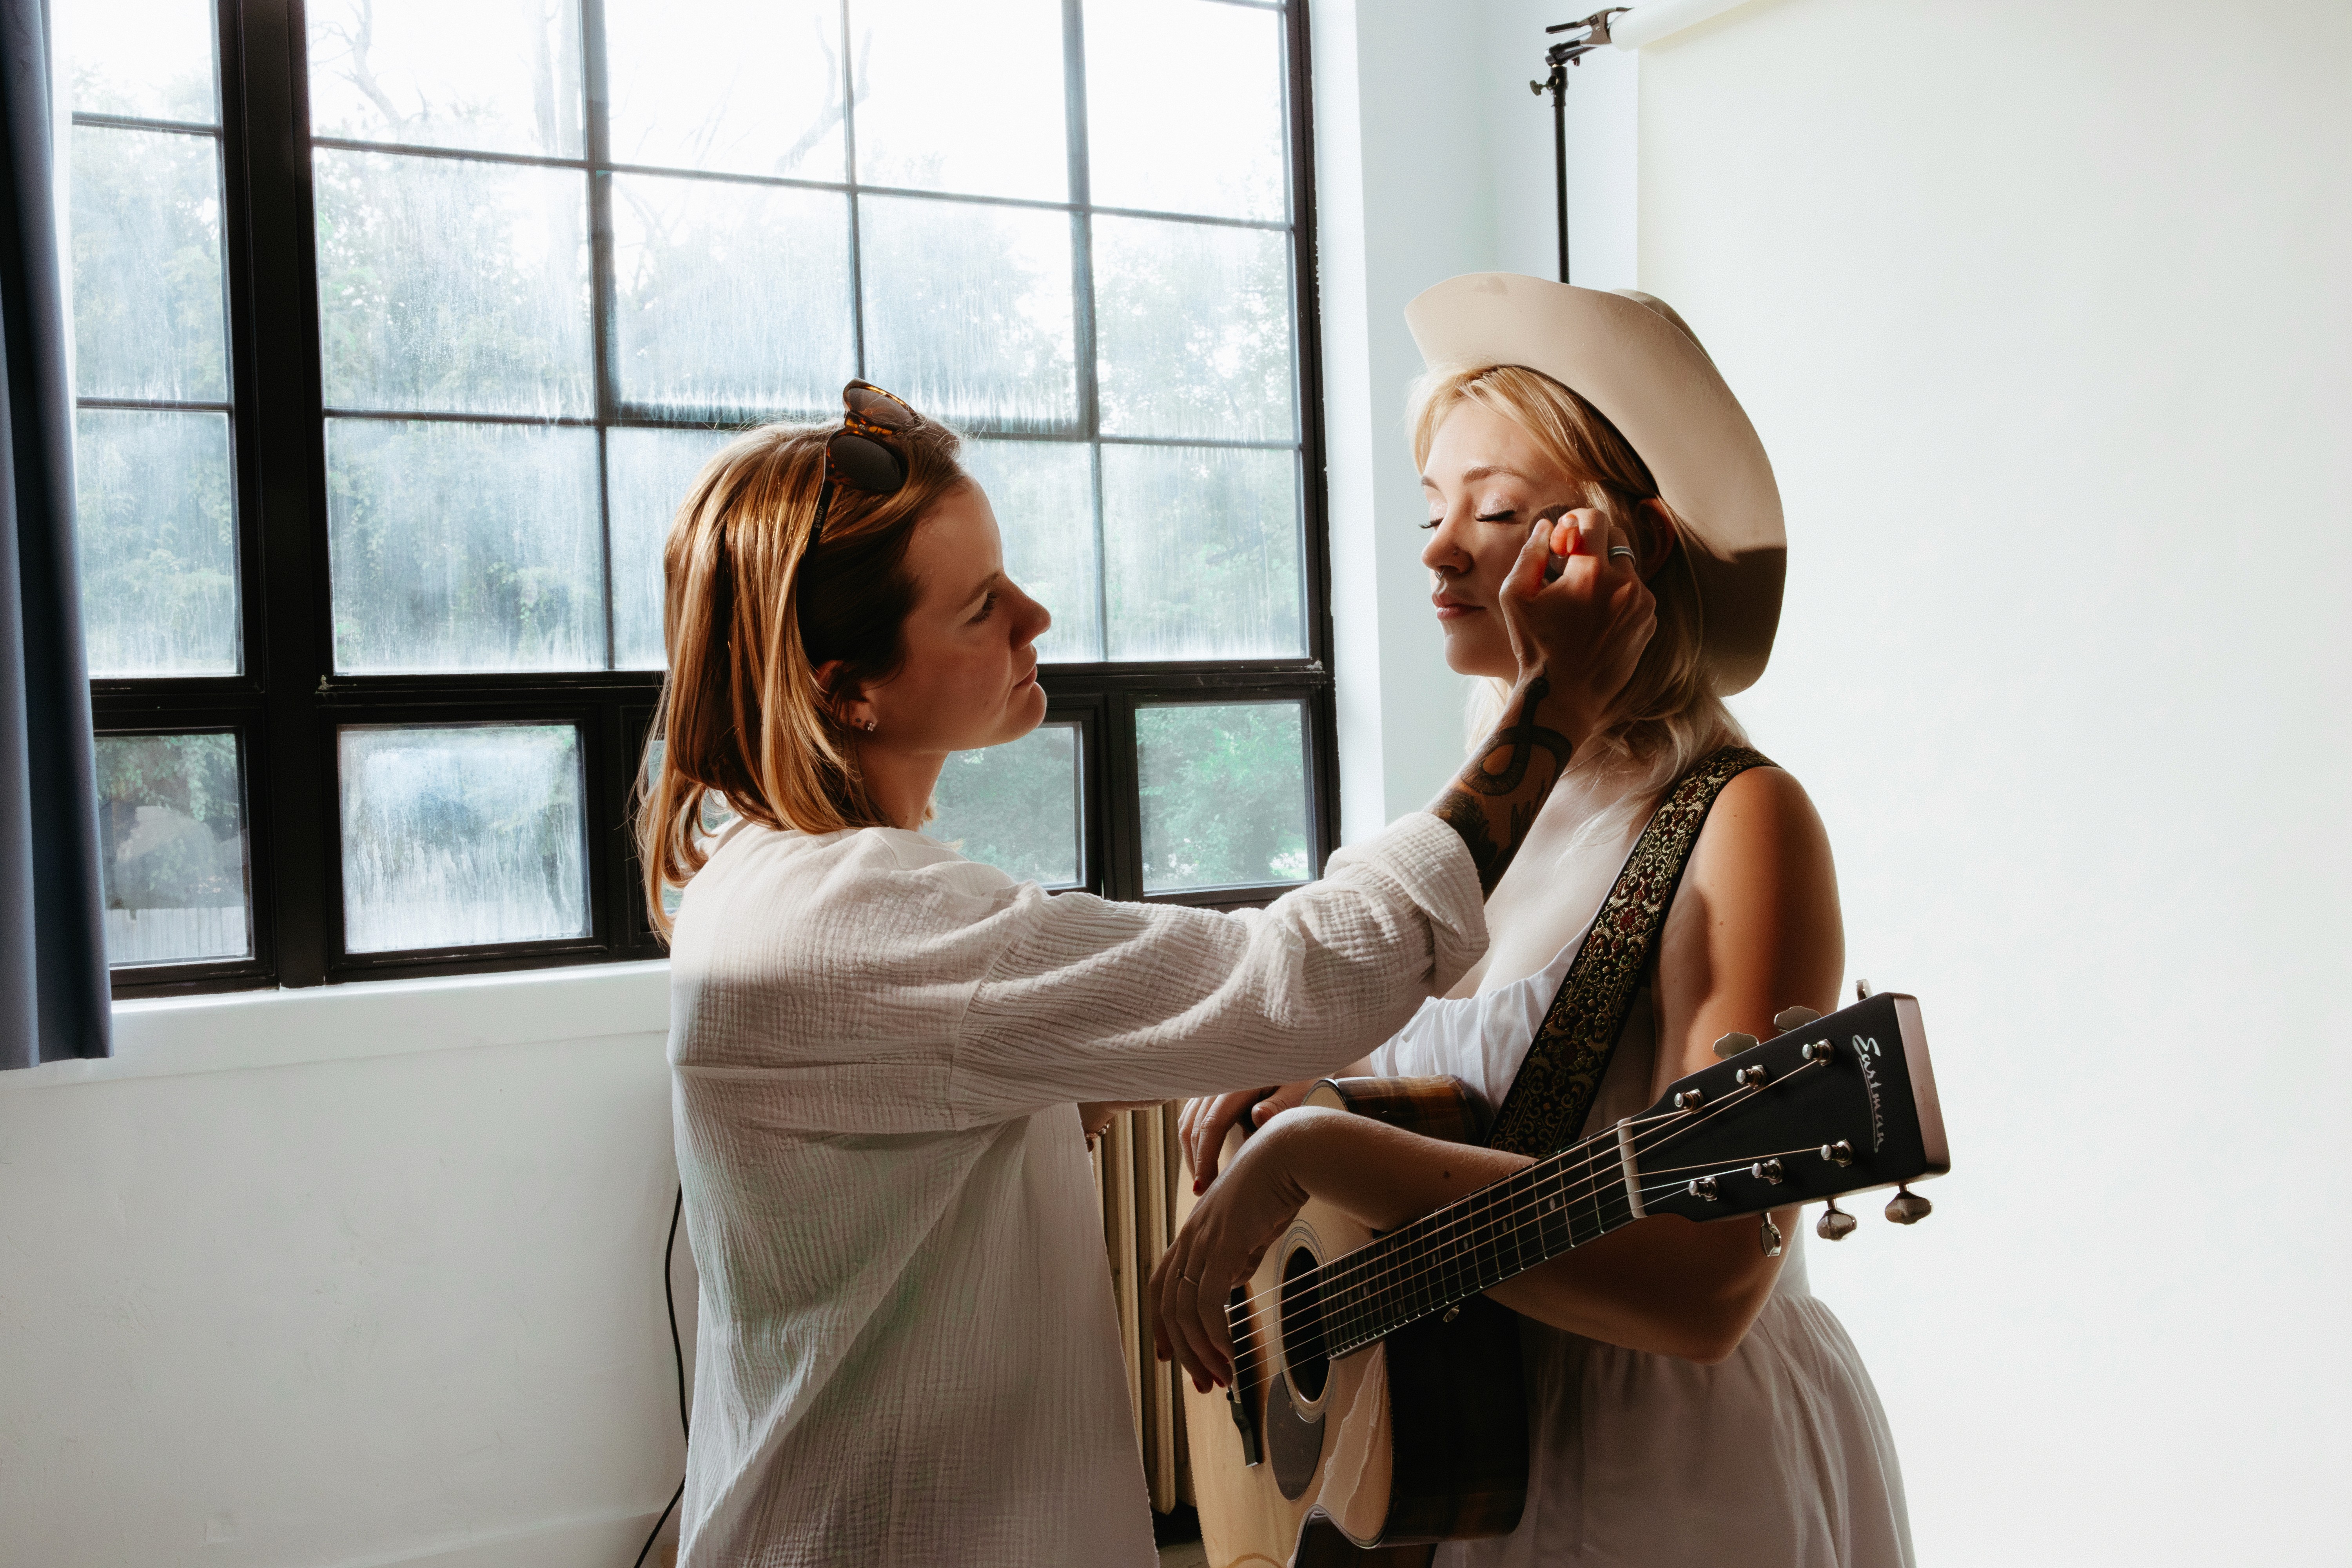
column 1242, row 1423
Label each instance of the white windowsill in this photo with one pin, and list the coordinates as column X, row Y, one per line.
column 172, row 1035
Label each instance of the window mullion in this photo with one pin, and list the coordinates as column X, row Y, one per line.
column 264, row 102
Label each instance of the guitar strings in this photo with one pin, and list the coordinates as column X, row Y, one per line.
column 1312, row 1344
column 1394, row 1268
column 1651, row 1189
column 1535, row 1195
column 1553, row 1167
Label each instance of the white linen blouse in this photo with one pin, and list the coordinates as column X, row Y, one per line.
column 907, row 1351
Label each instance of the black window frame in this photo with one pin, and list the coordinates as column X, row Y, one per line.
column 287, row 704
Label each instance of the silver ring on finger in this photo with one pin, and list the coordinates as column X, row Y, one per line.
column 1619, row 553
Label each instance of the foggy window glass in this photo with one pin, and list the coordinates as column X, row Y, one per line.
column 1200, row 131
column 1042, row 493
column 731, row 299
column 171, row 860
column 458, row 546
column 1203, row 552
column 969, row 310
column 1015, row 806
column 1192, row 330
column 158, row 539
column 493, row 76
column 455, row 835
column 451, row 285
column 155, row 512
column 647, row 474
column 147, row 301
column 1224, row 795
column 958, row 97
column 140, row 60
column 743, row 87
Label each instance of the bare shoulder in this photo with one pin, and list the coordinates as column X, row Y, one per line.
column 1755, row 924
column 1763, row 830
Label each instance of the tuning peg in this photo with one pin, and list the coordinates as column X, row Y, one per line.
column 1768, row 1237
column 1835, row 1223
column 1731, row 1045
column 1907, row 1207
column 1861, row 990
column 1795, row 1018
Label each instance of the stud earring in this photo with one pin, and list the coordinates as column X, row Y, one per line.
column 872, row 725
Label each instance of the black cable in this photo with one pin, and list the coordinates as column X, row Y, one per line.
column 669, row 1300
column 648, row 1546
column 677, row 1357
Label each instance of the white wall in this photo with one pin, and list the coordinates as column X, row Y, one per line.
column 344, row 1278
column 1431, row 159
column 2043, row 312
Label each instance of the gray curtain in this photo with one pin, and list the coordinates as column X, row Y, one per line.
column 53, row 986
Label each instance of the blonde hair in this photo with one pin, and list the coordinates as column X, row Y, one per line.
column 750, row 608
column 1669, row 715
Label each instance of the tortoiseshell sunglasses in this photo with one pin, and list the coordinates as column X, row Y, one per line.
column 855, row 454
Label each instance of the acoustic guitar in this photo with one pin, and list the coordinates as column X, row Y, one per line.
column 1376, row 1407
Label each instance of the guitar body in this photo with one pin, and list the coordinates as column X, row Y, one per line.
column 1372, row 1459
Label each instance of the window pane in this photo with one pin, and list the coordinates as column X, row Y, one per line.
column 497, row 76
column 157, row 537
column 450, row 285
column 1203, row 552
column 1042, row 493
column 147, row 266
column 1192, row 330
column 1201, row 129
column 747, row 86
column 461, row 833
column 144, row 59
column 1015, row 806
column 170, row 827
column 459, row 546
column 958, row 97
column 1224, row 795
column 733, row 300
column 968, row 309
column 646, row 473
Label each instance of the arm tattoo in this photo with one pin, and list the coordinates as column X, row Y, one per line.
column 1522, row 740
column 1483, row 801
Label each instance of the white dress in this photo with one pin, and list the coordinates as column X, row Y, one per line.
column 1778, row 1458
column 906, row 1352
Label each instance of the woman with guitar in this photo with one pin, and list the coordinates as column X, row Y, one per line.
column 1689, row 1401
column 907, row 1353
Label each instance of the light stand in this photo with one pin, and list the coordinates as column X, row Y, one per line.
column 1592, row 33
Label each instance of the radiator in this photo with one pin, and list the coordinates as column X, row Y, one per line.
column 1136, row 1167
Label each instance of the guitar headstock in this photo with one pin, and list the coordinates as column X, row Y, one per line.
column 1839, row 1105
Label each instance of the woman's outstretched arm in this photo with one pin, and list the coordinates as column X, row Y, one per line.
column 1755, row 929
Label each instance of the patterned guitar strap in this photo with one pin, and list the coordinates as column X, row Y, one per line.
column 1555, row 1087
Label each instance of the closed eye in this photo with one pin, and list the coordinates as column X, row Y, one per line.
column 1506, row 515
column 987, row 608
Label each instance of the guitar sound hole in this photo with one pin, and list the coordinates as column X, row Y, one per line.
column 1302, row 1326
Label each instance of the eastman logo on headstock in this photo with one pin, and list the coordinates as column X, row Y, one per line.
column 1865, row 1049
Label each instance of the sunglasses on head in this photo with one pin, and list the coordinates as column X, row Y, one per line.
column 858, row 454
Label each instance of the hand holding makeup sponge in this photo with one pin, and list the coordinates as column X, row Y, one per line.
column 1564, row 535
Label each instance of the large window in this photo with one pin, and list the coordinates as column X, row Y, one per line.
column 401, row 329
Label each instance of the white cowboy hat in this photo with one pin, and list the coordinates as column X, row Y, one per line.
column 1630, row 357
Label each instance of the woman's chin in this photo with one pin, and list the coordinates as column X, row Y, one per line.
column 1467, row 655
column 1026, row 711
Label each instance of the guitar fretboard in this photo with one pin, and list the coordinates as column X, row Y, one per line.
column 1471, row 1245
